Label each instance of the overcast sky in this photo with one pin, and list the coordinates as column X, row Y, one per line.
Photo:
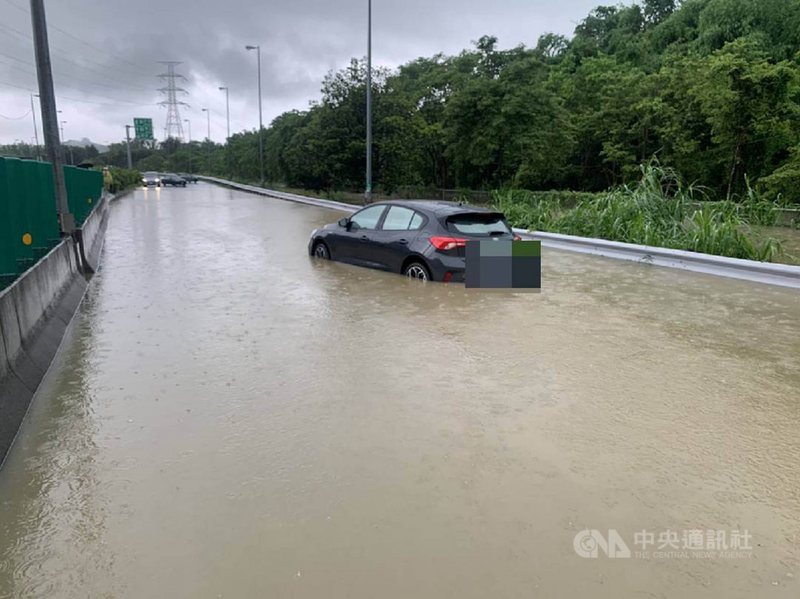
column 105, row 53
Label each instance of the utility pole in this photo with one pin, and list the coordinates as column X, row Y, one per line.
column 208, row 140
column 189, row 125
column 368, row 193
column 47, row 96
column 35, row 128
column 260, row 118
column 128, row 141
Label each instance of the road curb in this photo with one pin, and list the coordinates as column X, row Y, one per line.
column 749, row 270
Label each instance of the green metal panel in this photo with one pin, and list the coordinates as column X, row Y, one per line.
column 21, row 234
column 49, row 207
column 28, row 214
column 8, row 258
column 36, row 211
column 84, row 188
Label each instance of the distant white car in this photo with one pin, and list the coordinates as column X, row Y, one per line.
column 151, row 179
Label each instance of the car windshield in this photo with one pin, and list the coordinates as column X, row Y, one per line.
column 479, row 224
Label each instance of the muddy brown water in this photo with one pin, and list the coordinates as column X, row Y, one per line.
column 230, row 418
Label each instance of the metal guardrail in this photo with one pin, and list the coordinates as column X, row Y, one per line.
column 735, row 268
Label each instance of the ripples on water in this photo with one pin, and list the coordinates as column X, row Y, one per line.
column 231, row 418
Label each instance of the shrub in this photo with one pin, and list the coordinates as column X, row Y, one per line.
column 660, row 210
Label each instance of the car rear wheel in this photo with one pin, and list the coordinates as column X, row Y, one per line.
column 321, row 251
column 417, row 270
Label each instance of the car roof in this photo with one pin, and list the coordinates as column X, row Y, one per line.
column 437, row 207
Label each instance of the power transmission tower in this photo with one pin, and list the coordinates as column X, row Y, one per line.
column 174, row 126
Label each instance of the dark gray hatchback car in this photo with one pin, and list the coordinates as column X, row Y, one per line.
column 418, row 238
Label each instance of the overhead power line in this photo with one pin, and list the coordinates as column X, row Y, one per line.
column 15, row 118
column 61, row 84
column 32, row 89
column 61, row 58
column 79, row 40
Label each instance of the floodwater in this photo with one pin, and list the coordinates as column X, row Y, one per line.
column 230, row 418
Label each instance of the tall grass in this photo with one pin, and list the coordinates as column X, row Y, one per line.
column 659, row 210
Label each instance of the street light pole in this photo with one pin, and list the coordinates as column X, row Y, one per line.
column 227, row 109
column 35, row 128
column 189, row 124
column 228, row 138
column 368, row 192
column 44, row 74
column 128, row 141
column 208, row 140
column 260, row 117
column 64, row 145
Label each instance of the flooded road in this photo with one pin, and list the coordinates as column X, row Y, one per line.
column 229, row 418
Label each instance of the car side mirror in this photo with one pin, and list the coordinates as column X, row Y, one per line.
column 344, row 222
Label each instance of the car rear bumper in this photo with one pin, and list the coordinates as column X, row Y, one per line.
column 446, row 268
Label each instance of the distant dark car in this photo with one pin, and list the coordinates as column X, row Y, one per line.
column 188, row 178
column 173, row 179
column 150, row 178
column 420, row 239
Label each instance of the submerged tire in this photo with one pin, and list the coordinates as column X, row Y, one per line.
column 321, row 251
column 417, row 270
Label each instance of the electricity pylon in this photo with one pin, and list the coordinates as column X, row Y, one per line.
column 174, row 125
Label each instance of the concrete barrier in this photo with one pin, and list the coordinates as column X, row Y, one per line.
column 91, row 236
column 34, row 314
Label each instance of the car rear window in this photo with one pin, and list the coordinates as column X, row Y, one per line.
column 478, row 223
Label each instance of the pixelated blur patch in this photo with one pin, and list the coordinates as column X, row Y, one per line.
column 503, row 264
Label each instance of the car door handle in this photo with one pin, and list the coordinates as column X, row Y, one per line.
column 402, row 241
column 364, row 238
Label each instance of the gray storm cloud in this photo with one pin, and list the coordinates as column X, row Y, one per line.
column 105, row 54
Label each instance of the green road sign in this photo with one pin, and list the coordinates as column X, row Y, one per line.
column 143, row 128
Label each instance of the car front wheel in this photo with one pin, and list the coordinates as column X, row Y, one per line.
column 321, row 251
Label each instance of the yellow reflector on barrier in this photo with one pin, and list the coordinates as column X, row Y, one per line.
column 27, row 239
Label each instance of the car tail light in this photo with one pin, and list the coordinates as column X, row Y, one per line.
column 517, row 238
column 447, row 276
column 448, row 243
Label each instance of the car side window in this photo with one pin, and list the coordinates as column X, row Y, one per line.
column 416, row 222
column 368, row 218
column 398, row 218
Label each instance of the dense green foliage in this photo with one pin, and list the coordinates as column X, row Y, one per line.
column 119, row 179
column 72, row 154
column 659, row 210
column 708, row 86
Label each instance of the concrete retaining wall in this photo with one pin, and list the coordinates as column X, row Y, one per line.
column 34, row 314
column 92, row 234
